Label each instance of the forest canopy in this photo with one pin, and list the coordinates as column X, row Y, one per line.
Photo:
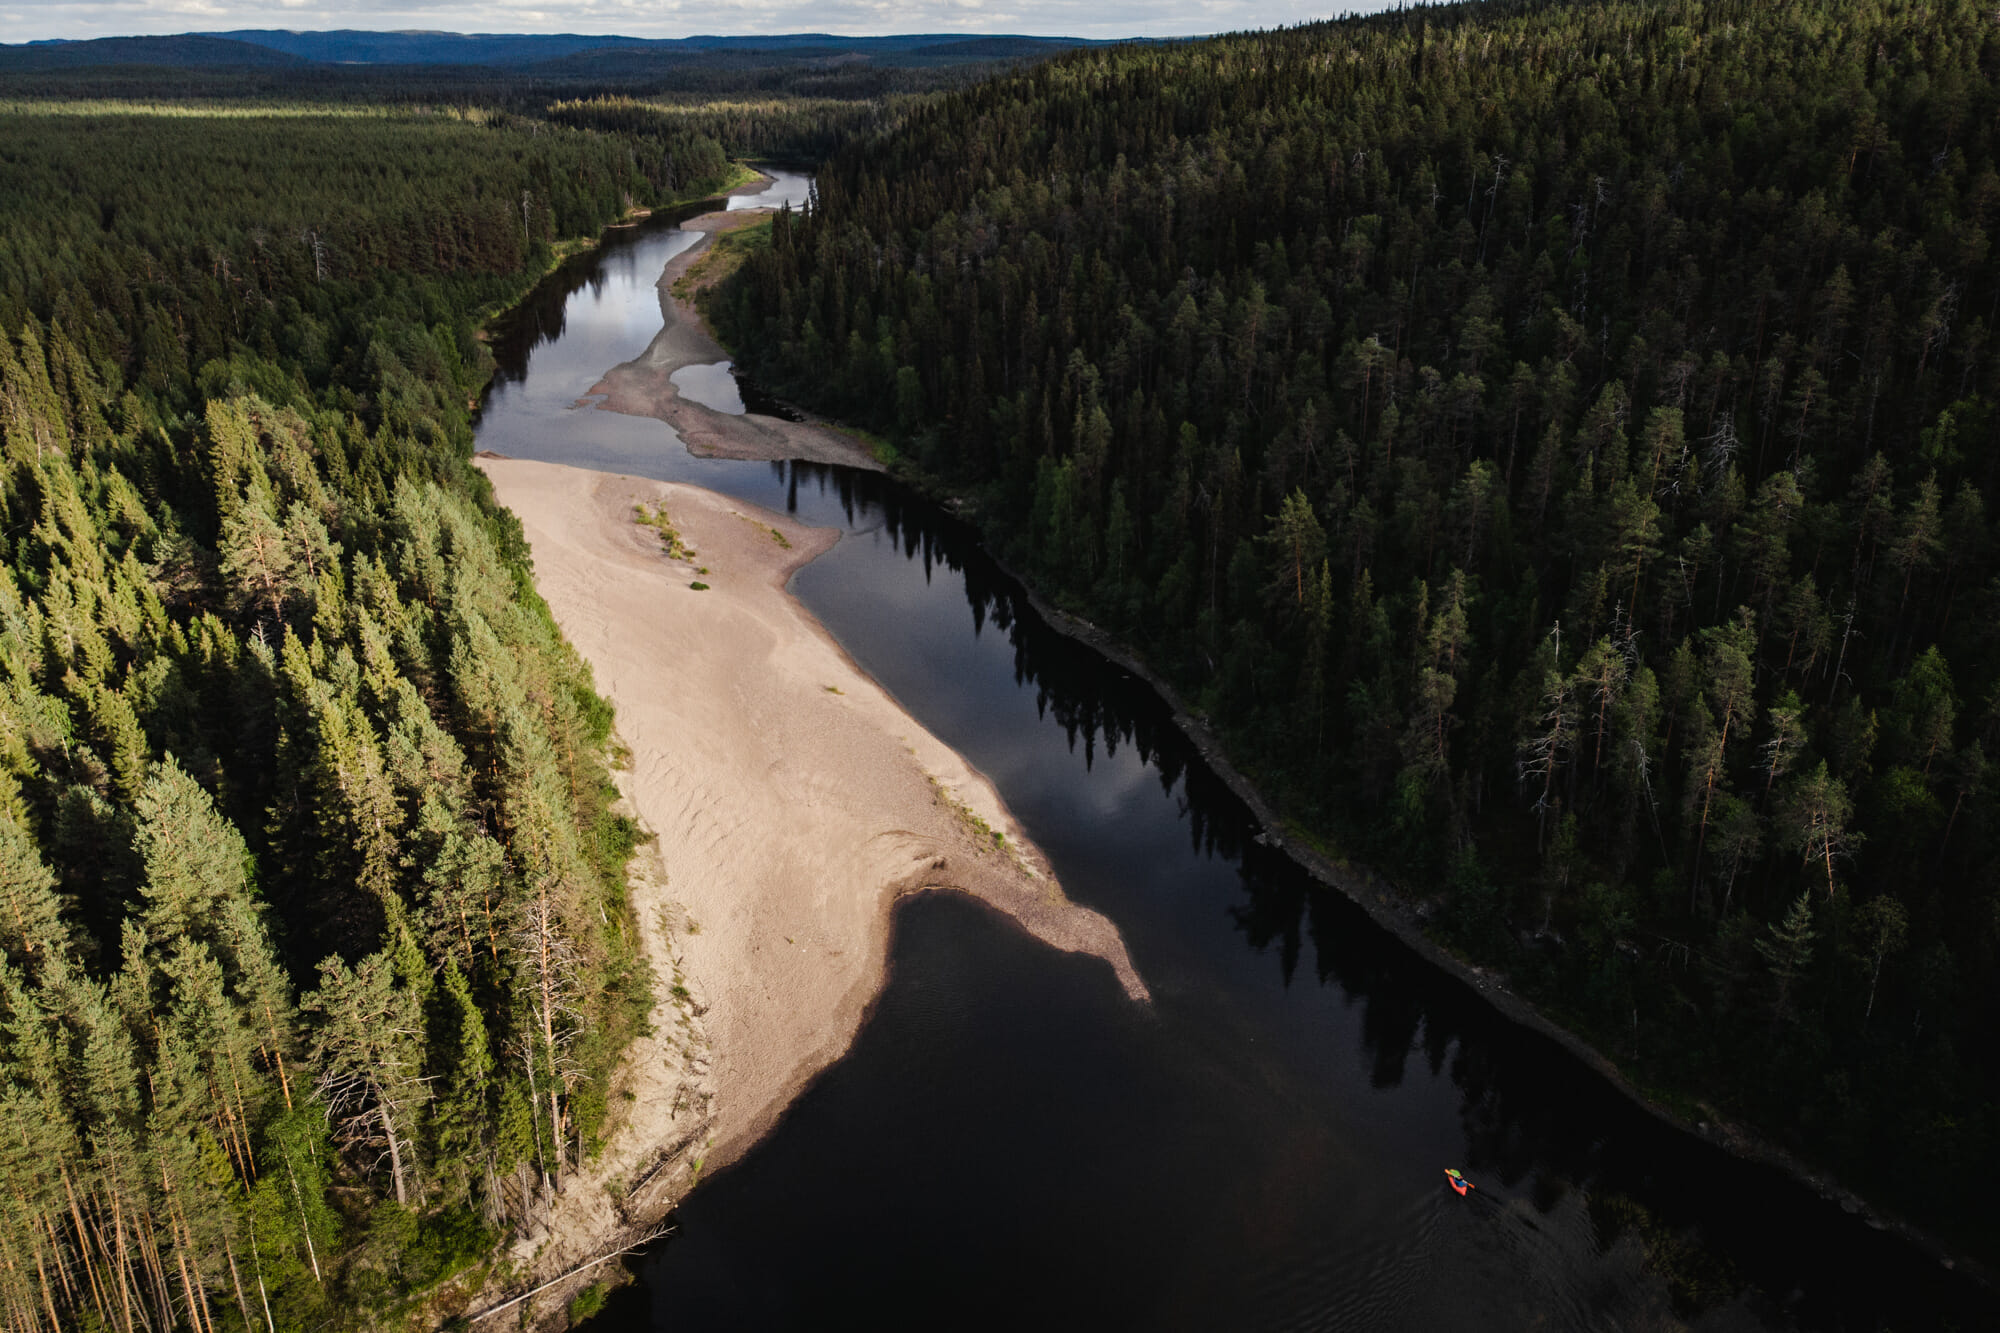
column 314, row 952
column 1555, row 444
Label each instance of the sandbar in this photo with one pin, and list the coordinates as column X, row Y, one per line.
column 644, row 385
column 793, row 799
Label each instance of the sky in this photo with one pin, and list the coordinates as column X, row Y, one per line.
column 29, row 20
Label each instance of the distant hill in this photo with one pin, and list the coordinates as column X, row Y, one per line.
column 996, row 48
column 276, row 47
column 348, row 46
column 450, row 48
column 186, row 51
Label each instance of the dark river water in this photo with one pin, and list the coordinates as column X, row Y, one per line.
column 1011, row 1143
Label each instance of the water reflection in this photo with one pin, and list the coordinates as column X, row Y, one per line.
column 788, row 189
column 1010, row 1140
column 710, row 385
column 597, row 309
column 1355, row 1070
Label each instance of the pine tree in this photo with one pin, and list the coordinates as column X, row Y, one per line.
column 1787, row 948
column 256, row 557
column 195, row 861
column 1813, row 815
column 367, row 1045
column 1884, row 929
column 462, row 1114
column 31, row 916
column 1298, row 544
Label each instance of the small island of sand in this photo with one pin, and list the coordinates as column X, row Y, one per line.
column 644, row 385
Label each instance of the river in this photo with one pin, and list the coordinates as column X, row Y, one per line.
column 1012, row 1143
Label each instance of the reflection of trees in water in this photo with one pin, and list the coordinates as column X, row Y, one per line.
column 1095, row 702
column 542, row 315
column 1528, row 1110
column 1535, row 1119
column 1513, row 1130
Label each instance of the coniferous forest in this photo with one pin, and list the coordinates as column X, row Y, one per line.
column 314, row 958
column 1555, row 445
column 1552, row 443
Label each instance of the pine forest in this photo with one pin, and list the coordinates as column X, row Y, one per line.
column 1554, row 444
column 314, row 957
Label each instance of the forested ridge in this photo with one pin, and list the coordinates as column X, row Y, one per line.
column 161, row 70
column 793, row 128
column 1554, row 443
column 314, row 955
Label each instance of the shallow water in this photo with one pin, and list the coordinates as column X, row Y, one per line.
column 1012, row 1142
column 786, row 187
column 712, row 386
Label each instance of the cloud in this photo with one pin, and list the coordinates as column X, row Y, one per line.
column 666, row 18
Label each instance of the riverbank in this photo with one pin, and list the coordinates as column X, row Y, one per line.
column 1389, row 905
column 1403, row 914
column 744, row 180
column 794, row 800
column 620, row 300
column 644, row 385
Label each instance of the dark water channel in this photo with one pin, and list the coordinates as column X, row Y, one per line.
column 1011, row 1143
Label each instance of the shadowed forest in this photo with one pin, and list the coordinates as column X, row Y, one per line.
column 1555, row 445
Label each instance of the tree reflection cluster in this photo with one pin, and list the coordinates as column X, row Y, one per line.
column 1538, row 1122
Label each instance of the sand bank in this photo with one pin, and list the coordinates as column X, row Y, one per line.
column 644, row 385
column 793, row 799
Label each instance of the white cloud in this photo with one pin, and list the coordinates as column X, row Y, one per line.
column 666, row 18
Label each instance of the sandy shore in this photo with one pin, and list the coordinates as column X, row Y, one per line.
column 793, row 799
column 644, row 385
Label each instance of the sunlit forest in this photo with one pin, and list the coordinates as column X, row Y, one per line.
column 314, row 952
column 1554, row 444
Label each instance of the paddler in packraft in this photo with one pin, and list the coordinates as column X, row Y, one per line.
column 1457, row 1182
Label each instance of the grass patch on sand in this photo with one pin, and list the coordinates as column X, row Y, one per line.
column 984, row 835
column 646, row 516
column 588, row 1302
column 878, row 447
column 780, row 538
column 726, row 253
column 982, row 832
